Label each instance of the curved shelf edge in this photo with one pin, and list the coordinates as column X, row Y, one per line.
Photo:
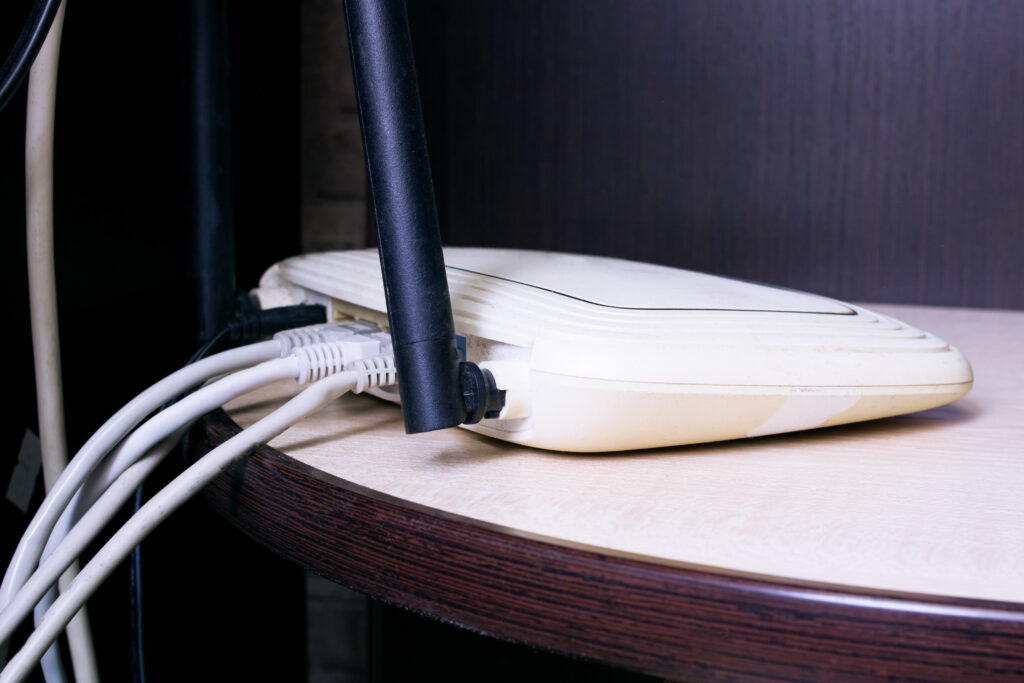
column 658, row 619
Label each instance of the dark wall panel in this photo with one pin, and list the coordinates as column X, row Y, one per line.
column 865, row 149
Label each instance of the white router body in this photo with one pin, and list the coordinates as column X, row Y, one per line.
column 601, row 354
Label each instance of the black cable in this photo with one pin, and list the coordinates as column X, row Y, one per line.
column 209, row 346
column 19, row 60
column 210, row 205
column 135, row 602
column 244, row 329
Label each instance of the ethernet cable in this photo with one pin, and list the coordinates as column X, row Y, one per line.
column 54, row 673
column 30, row 547
column 135, row 445
column 296, row 322
column 303, row 363
column 32, row 543
column 97, row 502
column 377, row 372
column 98, row 516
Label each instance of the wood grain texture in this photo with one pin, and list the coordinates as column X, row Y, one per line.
column 725, row 561
column 333, row 171
column 863, row 149
column 680, row 623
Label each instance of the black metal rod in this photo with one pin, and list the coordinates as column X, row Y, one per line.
column 213, row 238
column 402, row 194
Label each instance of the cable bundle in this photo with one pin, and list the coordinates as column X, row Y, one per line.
column 120, row 455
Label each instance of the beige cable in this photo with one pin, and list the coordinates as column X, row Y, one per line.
column 39, row 127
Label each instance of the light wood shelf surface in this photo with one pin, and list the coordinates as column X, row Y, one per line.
column 929, row 504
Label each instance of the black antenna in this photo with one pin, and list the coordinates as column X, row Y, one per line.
column 437, row 390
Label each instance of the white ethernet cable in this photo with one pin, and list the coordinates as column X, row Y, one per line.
column 303, row 363
column 113, row 499
column 115, row 480
column 30, row 548
column 119, row 491
column 376, row 372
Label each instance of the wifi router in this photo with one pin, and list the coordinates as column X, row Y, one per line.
column 602, row 354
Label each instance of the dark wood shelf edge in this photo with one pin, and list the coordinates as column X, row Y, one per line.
column 658, row 619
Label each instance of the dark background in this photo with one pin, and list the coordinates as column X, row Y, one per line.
column 122, row 236
column 870, row 150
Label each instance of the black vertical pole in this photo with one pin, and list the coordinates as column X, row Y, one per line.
column 402, row 194
column 213, row 241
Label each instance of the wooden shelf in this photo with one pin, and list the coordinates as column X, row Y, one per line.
column 894, row 547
